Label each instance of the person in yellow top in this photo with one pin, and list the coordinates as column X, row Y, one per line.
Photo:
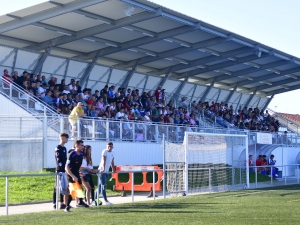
column 76, row 113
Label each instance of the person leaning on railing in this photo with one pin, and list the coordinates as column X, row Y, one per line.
column 76, row 114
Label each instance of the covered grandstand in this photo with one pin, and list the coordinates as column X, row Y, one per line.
column 139, row 45
column 143, row 45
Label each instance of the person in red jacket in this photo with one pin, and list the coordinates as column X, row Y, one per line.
column 6, row 78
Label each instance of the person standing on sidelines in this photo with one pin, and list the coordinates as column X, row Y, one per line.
column 73, row 165
column 107, row 160
column 87, row 169
column 61, row 158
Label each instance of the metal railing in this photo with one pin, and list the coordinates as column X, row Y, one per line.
column 7, row 176
column 24, row 99
column 98, row 129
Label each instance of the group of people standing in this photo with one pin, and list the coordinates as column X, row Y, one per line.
column 76, row 166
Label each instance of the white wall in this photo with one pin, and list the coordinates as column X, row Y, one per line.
column 126, row 153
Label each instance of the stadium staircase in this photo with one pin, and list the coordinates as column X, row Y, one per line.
column 33, row 106
column 292, row 126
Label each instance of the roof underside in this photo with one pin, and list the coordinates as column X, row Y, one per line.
column 151, row 39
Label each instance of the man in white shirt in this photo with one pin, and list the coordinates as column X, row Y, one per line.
column 120, row 115
column 107, row 160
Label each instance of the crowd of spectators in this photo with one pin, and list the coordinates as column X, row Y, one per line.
column 108, row 103
column 129, row 104
column 242, row 118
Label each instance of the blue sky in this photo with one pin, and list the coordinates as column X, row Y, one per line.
column 271, row 22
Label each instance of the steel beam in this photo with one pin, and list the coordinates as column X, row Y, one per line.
column 278, row 83
column 180, row 50
column 230, row 94
column 95, row 30
column 103, row 75
column 226, row 64
column 208, row 89
column 180, row 87
column 252, row 70
column 38, row 67
column 269, row 100
column 129, row 76
column 208, row 59
column 139, row 42
column 250, row 99
column 14, row 24
column 268, row 76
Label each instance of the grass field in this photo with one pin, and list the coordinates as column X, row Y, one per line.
column 39, row 189
column 279, row 205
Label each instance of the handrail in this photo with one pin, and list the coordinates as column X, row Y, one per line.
column 22, row 95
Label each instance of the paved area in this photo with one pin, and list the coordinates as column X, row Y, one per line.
column 43, row 207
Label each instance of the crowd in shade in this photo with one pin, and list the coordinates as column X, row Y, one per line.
column 129, row 104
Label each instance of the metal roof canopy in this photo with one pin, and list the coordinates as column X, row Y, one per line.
column 149, row 38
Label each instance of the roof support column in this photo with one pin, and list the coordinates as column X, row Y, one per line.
column 146, row 81
column 208, row 89
column 109, row 71
column 179, row 89
column 163, row 81
column 85, row 77
column 129, row 75
column 230, row 95
column 15, row 61
column 250, row 98
column 39, row 65
column 66, row 69
column 269, row 100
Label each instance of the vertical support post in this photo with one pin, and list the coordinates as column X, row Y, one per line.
column 121, row 130
column 20, row 127
column 44, row 153
column 78, row 129
column 156, row 133
column 132, row 187
column 186, row 164
column 57, row 190
column 107, row 130
column 232, row 167
column 6, row 196
column 98, row 187
column 209, row 179
column 247, row 164
column 153, row 184
column 61, row 123
column 93, row 129
column 164, row 165
column 285, row 175
column 255, row 177
column 271, row 168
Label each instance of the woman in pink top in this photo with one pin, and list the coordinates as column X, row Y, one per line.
column 100, row 106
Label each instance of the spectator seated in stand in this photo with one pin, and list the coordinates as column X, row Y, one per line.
column 7, row 79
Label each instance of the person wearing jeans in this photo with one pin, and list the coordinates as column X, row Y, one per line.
column 107, row 160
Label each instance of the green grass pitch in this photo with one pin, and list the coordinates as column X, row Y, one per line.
column 278, row 205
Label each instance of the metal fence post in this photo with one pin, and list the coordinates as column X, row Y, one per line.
column 153, row 185
column 57, row 190
column 93, row 129
column 6, row 195
column 132, row 187
column 61, row 123
column 209, row 179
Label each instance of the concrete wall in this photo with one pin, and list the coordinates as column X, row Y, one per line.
column 126, row 153
column 21, row 156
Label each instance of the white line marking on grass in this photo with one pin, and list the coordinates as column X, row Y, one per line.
column 245, row 194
